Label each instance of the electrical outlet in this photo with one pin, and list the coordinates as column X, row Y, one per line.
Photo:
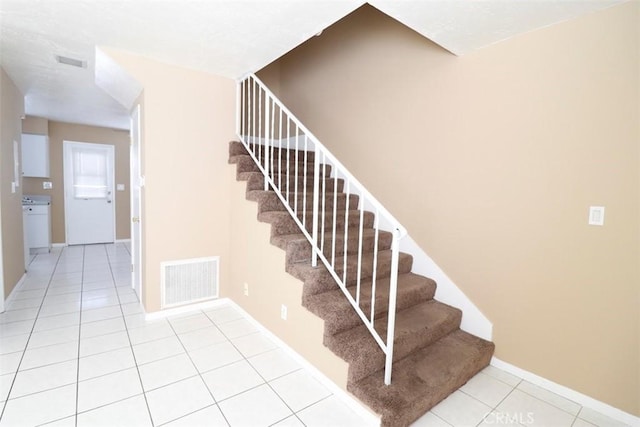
column 283, row 312
column 246, row 289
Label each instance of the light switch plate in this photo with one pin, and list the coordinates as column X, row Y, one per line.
column 596, row 215
column 120, row 187
column 47, row 185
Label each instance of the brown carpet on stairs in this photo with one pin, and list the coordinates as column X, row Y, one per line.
column 432, row 356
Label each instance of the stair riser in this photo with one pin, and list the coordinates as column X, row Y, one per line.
column 320, row 280
column 236, row 149
column 365, row 363
column 247, row 164
column 255, row 181
column 428, row 376
column 287, row 225
column 276, row 170
column 271, row 202
column 307, row 184
column 300, row 251
column 275, row 152
column 349, row 318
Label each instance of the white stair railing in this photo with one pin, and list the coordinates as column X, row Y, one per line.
column 285, row 150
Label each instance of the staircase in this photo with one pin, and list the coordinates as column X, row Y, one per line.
column 432, row 357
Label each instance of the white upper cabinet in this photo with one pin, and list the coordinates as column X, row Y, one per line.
column 35, row 155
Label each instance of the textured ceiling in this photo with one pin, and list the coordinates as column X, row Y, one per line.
column 224, row 37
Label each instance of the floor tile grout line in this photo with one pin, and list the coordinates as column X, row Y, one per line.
column 199, row 374
column 260, row 375
column 24, row 351
column 133, row 354
column 244, row 358
column 442, row 419
column 549, row 403
column 84, row 250
column 45, row 391
column 108, row 404
column 191, row 413
column 499, row 379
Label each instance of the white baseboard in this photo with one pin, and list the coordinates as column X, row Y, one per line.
column 15, row 289
column 566, row 392
column 64, row 245
column 346, row 398
column 185, row 309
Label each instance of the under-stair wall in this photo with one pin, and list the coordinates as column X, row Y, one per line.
column 256, row 262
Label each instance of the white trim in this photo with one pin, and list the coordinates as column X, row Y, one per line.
column 12, row 295
column 59, row 245
column 122, row 240
column 157, row 315
column 566, row 392
column 341, row 394
column 473, row 321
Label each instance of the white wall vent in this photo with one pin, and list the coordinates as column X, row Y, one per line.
column 189, row 281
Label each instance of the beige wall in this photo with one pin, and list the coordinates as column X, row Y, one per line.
column 11, row 111
column 35, row 125
column 188, row 119
column 259, row 264
column 491, row 160
column 59, row 132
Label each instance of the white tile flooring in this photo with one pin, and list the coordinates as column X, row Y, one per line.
column 76, row 350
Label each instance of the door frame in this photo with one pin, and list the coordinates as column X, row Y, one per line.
column 66, row 144
column 2, row 308
column 135, row 185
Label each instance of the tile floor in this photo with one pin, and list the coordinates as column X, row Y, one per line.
column 76, row 350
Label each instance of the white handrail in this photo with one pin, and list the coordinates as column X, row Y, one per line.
column 334, row 161
column 260, row 142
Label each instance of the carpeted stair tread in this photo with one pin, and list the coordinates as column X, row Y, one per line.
column 291, row 152
column 332, row 185
column 338, row 314
column 299, row 249
column 282, row 223
column 318, row 279
column 424, row 378
column 245, row 163
column 269, row 201
column 236, row 148
column 416, row 327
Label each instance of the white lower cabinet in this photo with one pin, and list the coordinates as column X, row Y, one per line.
column 39, row 227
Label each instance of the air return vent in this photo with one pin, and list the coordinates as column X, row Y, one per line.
column 71, row 61
column 189, row 281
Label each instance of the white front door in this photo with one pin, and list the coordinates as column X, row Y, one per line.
column 136, row 204
column 89, row 204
